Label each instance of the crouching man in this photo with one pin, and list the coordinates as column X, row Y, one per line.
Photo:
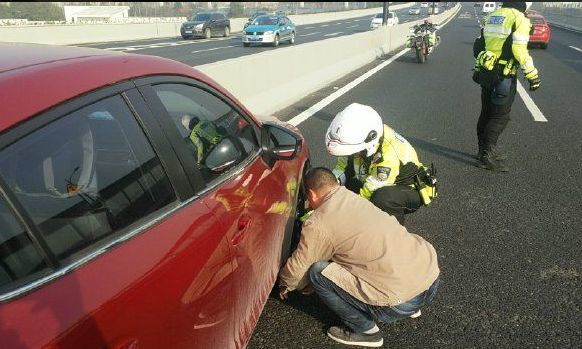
column 360, row 261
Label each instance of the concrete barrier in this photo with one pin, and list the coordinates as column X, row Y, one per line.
column 72, row 34
column 269, row 81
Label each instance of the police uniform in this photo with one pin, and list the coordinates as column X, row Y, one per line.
column 379, row 178
column 505, row 34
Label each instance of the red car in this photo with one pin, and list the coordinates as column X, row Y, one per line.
column 141, row 205
column 540, row 32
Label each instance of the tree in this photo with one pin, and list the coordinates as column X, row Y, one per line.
column 5, row 11
column 236, row 10
column 36, row 11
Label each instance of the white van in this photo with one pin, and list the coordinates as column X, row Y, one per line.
column 488, row 7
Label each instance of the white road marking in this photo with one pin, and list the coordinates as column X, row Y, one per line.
column 353, row 26
column 310, row 34
column 333, row 34
column 324, row 25
column 529, row 103
column 165, row 44
column 575, row 48
column 332, row 97
column 308, row 27
column 216, row 48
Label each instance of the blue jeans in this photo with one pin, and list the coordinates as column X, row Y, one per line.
column 357, row 315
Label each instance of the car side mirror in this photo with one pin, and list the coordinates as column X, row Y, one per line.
column 279, row 143
column 223, row 155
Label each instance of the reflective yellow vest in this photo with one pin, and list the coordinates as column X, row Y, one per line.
column 498, row 26
column 384, row 165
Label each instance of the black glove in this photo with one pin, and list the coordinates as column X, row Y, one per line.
column 534, row 83
column 475, row 76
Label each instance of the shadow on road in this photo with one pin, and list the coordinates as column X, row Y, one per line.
column 310, row 305
column 452, row 154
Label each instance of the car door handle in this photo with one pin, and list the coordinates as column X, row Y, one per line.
column 242, row 226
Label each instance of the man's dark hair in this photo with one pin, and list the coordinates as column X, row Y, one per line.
column 318, row 178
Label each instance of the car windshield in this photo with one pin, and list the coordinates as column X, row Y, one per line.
column 266, row 20
column 253, row 17
column 202, row 17
column 536, row 20
column 379, row 15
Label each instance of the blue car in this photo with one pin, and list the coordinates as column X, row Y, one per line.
column 271, row 29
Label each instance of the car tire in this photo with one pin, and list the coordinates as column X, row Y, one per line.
column 207, row 33
column 185, row 37
column 246, row 44
column 276, row 41
column 544, row 46
column 292, row 39
column 226, row 32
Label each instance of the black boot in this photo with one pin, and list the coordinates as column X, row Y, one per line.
column 488, row 161
column 496, row 156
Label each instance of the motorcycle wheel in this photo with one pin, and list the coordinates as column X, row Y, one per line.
column 421, row 55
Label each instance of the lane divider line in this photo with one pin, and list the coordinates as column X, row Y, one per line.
column 530, row 105
column 310, row 34
column 215, row 48
column 332, row 97
column 333, row 34
column 575, row 48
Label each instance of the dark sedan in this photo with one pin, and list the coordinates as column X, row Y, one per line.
column 206, row 24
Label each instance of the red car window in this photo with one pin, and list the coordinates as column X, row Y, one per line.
column 86, row 176
column 208, row 125
column 537, row 20
column 18, row 256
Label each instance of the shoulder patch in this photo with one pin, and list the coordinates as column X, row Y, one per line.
column 496, row 20
column 383, row 173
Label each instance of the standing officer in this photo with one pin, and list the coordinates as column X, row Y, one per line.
column 501, row 48
column 378, row 163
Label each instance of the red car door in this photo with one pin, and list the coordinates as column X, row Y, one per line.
column 134, row 260
column 252, row 201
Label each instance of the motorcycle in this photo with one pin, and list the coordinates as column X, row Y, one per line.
column 423, row 42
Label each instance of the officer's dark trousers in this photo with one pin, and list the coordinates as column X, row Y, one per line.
column 493, row 118
column 396, row 200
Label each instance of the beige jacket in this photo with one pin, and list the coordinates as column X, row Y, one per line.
column 374, row 258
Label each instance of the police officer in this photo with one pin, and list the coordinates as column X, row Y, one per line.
column 376, row 162
column 503, row 49
column 203, row 134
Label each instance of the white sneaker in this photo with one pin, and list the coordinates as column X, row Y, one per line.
column 415, row 315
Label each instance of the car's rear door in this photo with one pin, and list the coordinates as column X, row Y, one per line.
column 131, row 259
column 252, row 201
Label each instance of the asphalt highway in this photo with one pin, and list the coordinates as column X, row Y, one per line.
column 509, row 244
column 202, row 51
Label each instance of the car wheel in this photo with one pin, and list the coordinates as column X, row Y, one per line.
column 226, row 32
column 246, row 44
column 185, row 37
column 276, row 41
column 544, row 46
column 207, row 33
column 292, row 40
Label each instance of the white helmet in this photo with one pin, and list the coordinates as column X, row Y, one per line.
column 356, row 128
